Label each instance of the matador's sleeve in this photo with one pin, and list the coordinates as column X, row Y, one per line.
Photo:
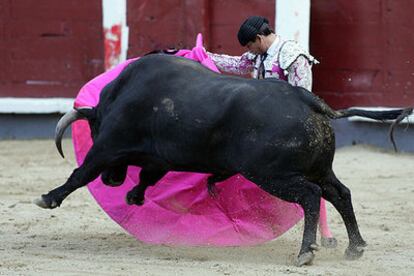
column 240, row 65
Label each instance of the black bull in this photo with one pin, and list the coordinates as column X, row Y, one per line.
column 165, row 113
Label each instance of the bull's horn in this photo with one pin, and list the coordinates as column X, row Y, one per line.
column 63, row 124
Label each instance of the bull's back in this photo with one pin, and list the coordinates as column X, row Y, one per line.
column 192, row 113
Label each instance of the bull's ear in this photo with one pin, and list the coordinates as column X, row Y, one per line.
column 86, row 112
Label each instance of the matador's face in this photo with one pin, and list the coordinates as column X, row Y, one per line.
column 256, row 47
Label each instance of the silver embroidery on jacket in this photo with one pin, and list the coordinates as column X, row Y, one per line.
column 290, row 51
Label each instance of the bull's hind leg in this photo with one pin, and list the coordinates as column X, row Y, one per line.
column 340, row 196
column 148, row 176
column 95, row 162
column 308, row 195
column 114, row 176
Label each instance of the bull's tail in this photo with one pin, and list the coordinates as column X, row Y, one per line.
column 88, row 113
column 405, row 113
column 318, row 105
column 397, row 114
column 376, row 115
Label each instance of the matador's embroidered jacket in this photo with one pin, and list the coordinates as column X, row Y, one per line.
column 285, row 60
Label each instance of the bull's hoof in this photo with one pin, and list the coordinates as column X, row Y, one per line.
column 305, row 259
column 354, row 253
column 132, row 198
column 329, row 242
column 314, row 247
column 45, row 202
column 362, row 243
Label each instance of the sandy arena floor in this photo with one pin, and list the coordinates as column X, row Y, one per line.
column 78, row 238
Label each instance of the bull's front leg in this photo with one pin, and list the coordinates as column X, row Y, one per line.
column 95, row 162
column 114, row 176
column 148, row 176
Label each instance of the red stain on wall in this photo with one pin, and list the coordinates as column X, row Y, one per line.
column 112, row 42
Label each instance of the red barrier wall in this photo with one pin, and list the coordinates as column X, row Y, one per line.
column 49, row 48
column 157, row 24
column 366, row 52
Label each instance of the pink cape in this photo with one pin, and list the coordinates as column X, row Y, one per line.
column 178, row 209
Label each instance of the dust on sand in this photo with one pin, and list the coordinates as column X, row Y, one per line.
column 79, row 238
